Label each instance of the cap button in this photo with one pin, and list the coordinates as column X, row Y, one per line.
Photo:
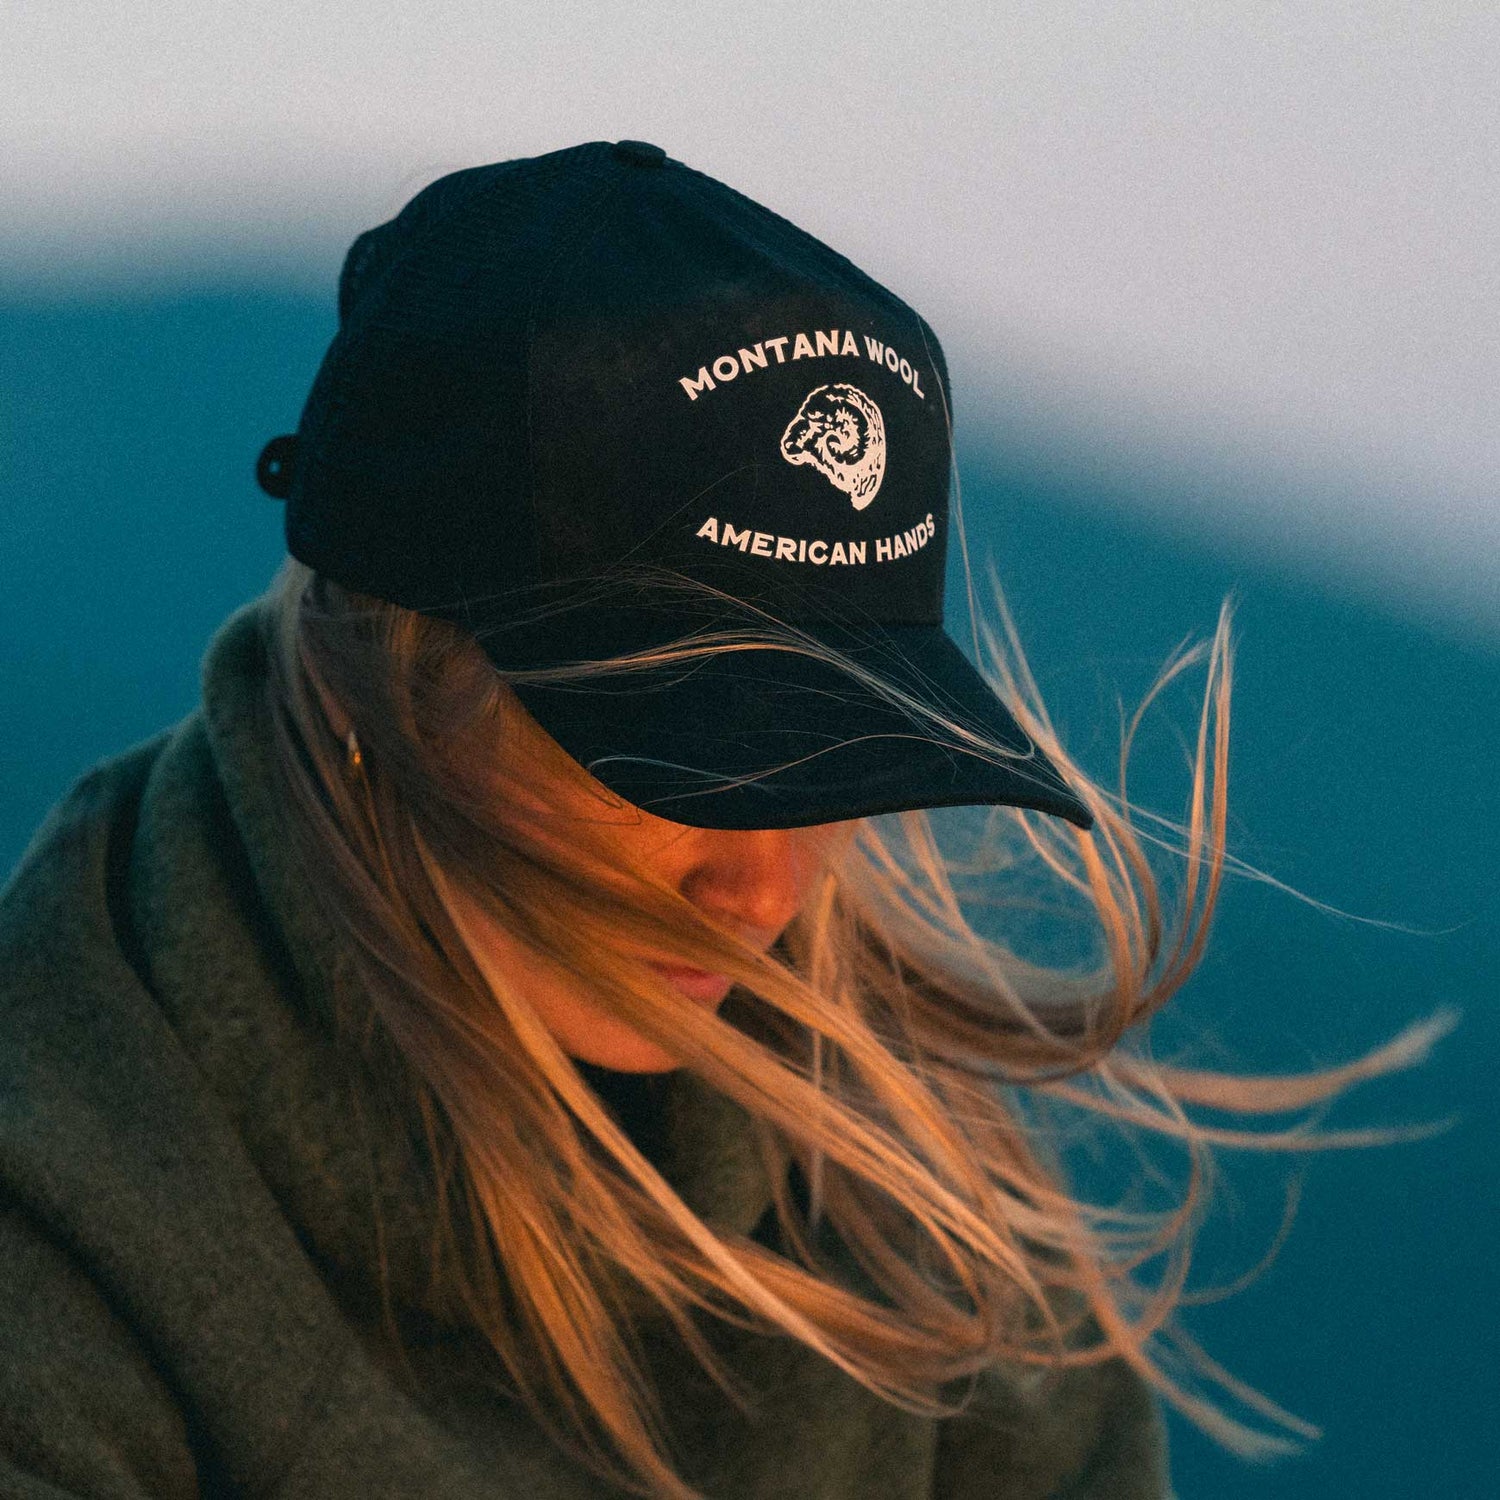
column 640, row 153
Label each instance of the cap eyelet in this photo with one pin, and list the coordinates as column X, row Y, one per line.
column 277, row 465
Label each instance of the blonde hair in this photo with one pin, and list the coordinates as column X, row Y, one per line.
column 919, row 1073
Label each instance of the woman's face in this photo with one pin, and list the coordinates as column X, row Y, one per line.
column 749, row 882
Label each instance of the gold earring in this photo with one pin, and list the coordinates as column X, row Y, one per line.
column 353, row 756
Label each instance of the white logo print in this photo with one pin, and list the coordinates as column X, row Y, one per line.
column 840, row 431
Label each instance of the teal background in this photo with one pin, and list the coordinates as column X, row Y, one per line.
column 1364, row 774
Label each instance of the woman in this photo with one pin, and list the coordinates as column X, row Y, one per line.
column 495, row 1046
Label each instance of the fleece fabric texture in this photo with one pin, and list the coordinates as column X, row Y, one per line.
column 198, row 1180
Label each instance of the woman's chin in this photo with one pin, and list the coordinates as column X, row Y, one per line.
column 610, row 1043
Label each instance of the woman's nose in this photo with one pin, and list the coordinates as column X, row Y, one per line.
column 753, row 879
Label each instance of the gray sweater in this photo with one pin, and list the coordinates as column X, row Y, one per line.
column 197, row 1182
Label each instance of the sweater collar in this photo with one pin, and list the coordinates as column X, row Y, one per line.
column 243, row 959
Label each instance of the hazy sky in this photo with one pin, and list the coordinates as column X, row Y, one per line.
column 1247, row 238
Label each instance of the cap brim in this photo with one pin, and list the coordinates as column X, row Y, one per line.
column 770, row 738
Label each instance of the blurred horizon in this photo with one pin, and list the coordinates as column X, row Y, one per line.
column 1338, row 527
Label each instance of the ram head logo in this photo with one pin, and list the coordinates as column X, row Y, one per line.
column 840, row 431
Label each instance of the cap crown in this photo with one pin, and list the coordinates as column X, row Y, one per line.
column 551, row 367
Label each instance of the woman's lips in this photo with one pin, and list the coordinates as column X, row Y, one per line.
column 698, row 984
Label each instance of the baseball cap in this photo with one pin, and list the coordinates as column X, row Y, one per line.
column 595, row 402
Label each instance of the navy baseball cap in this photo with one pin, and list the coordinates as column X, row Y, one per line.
column 595, row 402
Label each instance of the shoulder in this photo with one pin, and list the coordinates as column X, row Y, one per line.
column 67, row 984
column 67, row 865
column 127, row 1196
column 90, row 1069
column 63, row 952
